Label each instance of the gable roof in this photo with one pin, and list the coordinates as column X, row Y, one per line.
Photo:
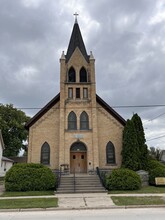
column 76, row 40
column 110, row 110
column 57, row 98
column 7, row 159
column 42, row 111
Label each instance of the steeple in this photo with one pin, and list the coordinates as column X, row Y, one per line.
column 76, row 40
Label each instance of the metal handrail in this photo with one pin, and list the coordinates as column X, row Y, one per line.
column 100, row 177
column 59, row 176
column 74, row 181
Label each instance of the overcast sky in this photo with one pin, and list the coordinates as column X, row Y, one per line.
column 127, row 38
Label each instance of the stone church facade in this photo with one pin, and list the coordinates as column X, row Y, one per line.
column 76, row 128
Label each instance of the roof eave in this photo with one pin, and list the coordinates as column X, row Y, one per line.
column 110, row 110
column 42, row 111
column 1, row 139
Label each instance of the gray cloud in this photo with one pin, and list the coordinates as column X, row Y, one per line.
column 127, row 40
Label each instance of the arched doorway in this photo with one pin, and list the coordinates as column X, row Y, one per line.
column 78, row 158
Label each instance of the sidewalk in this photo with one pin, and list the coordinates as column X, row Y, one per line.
column 76, row 201
column 84, row 200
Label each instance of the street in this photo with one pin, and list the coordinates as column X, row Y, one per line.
column 103, row 214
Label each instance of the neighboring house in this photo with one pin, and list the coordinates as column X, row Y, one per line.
column 22, row 159
column 162, row 156
column 5, row 163
column 76, row 128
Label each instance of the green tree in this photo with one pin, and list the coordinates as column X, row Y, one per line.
column 143, row 149
column 155, row 153
column 130, row 151
column 12, row 123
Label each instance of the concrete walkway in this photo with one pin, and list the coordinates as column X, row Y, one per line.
column 84, row 200
column 140, row 194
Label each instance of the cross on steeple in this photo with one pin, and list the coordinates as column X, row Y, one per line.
column 75, row 14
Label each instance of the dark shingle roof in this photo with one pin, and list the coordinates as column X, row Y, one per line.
column 43, row 111
column 76, row 40
column 110, row 110
column 57, row 98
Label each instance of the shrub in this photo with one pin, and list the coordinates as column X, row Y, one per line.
column 123, row 179
column 157, row 172
column 154, row 164
column 29, row 177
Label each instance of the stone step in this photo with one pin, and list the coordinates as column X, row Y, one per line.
column 80, row 191
column 84, row 183
column 80, row 182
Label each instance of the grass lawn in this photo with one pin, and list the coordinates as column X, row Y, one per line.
column 141, row 200
column 146, row 189
column 28, row 203
column 29, row 193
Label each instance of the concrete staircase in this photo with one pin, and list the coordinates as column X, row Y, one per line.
column 83, row 184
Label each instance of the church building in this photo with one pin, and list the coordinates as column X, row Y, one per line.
column 76, row 128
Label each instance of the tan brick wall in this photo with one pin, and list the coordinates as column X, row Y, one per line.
column 109, row 129
column 46, row 129
column 53, row 126
column 67, row 138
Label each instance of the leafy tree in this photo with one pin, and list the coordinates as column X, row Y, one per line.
column 12, row 123
column 130, row 151
column 143, row 150
column 155, row 153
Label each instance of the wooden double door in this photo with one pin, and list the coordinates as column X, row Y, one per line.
column 78, row 162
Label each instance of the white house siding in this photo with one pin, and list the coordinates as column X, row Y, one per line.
column 5, row 163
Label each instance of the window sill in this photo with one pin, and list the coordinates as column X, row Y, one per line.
column 78, row 131
column 77, row 100
column 111, row 164
column 78, row 83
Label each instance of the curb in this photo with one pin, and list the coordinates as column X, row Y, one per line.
column 82, row 208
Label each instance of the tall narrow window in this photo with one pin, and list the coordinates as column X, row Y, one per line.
column 71, row 75
column 83, row 75
column 77, row 93
column 110, row 153
column 45, row 154
column 84, row 121
column 72, row 121
column 85, row 93
column 70, row 93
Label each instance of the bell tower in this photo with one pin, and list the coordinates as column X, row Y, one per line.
column 78, row 100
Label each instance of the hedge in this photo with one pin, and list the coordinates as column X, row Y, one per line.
column 29, row 177
column 152, row 164
column 157, row 172
column 123, row 179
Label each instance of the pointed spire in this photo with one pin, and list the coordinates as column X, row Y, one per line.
column 91, row 56
column 76, row 40
column 62, row 56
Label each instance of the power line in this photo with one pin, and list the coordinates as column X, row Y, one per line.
column 154, row 118
column 115, row 106
column 162, row 136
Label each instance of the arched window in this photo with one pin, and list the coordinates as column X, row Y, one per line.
column 72, row 121
column 71, row 75
column 78, row 146
column 83, row 75
column 84, row 121
column 110, row 153
column 45, row 154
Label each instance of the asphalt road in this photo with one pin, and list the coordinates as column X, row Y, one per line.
column 104, row 214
